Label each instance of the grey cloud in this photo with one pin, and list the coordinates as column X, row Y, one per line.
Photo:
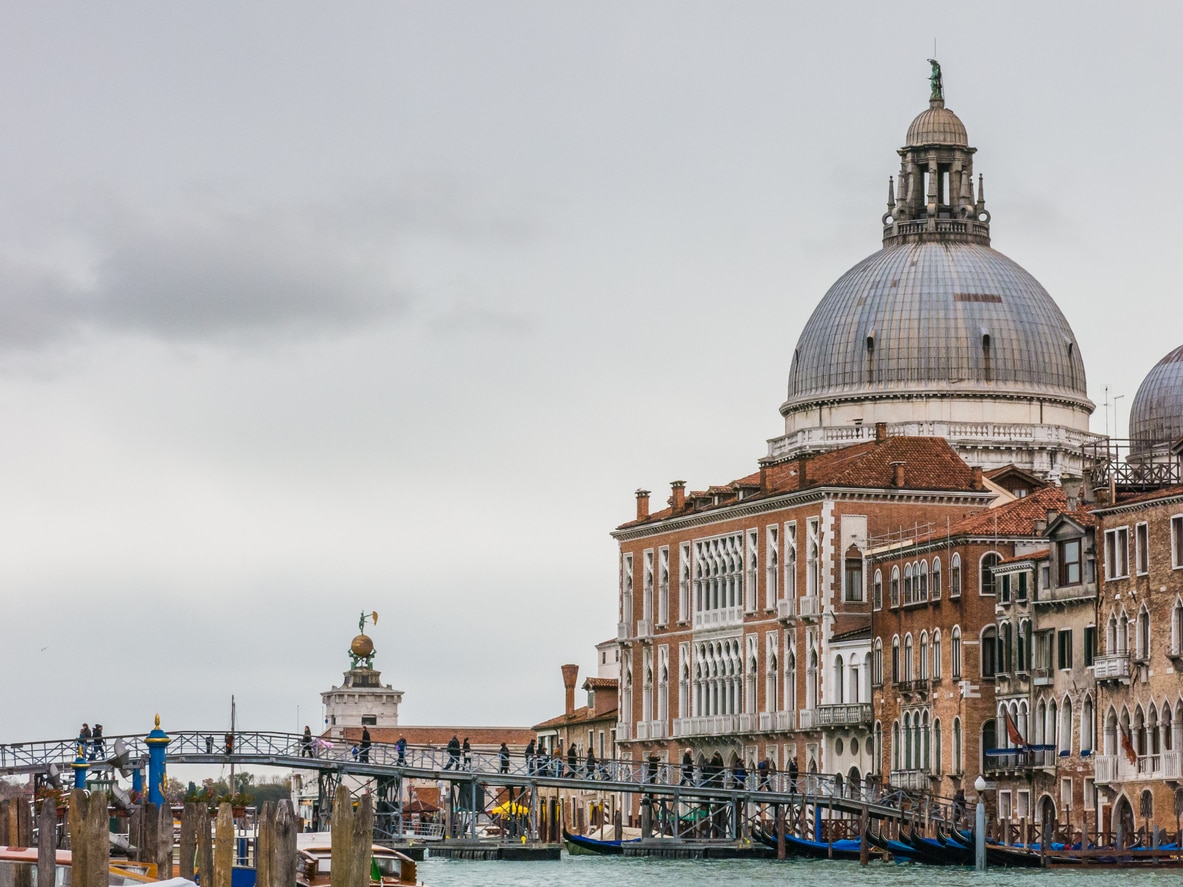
column 217, row 274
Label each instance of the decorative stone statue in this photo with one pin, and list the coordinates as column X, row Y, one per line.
column 938, row 87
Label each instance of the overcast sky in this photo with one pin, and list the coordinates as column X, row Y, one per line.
column 307, row 309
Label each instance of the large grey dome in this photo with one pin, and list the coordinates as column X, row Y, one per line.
column 936, row 318
column 1156, row 416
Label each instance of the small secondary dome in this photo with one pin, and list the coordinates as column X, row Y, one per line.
column 937, row 126
column 1156, row 416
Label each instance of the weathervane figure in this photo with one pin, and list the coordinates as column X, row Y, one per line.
column 938, row 86
column 361, row 651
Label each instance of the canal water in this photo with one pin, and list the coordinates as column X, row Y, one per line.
column 607, row 871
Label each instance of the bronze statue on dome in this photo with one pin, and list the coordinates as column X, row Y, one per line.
column 938, row 85
column 361, row 650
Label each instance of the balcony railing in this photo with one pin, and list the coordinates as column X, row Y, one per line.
column 622, row 633
column 624, row 731
column 915, row 686
column 809, row 607
column 846, row 715
column 1031, row 758
column 651, row 730
column 1105, row 769
column 644, row 628
column 729, row 725
column 777, row 721
column 724, row 617
column 911, row 780
column 1085, row 591
column 786, row 609
column 1172, row 765
column 1112, row 667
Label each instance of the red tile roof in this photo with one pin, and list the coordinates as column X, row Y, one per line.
column 1138, row 498
column 1041, row 555
column 601, row 682
column 929, row 463
column 1015, row 518
column 583, row 714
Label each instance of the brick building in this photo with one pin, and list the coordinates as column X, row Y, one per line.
column 745, row 612
column 1139, row 774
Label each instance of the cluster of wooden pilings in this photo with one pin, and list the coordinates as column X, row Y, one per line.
column 207, row 841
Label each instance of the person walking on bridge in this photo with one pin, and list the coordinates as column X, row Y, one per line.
column 467, row 754
column 572, row 761
column 503, row 757
column 401, row 745
column 589, row 768
column 687, row 768
column 306, row 743
column 530, row 758
column 453, row 753
column 364, row 748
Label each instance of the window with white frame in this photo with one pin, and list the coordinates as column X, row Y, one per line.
column 647, row 588
column 790, row 667
column 771, row 671
column 1141, row 549
column 936, row 654
column 877, row 663
column 924, row 655
column 1142, row 634
column 936, row 578
column 877, row 590
column 626, row 588
column 753, row 572
column 718, row 573
column 1177, row 541
column 683, row 680
column 791, row 560
column 813, row 554
column 1089, row 793
column 684, row 582
column 955, row 653
column 1177, row 627
column 772, row 559
column 1023, row 808
column 955, row 575
column 895, row 586
column 986, row 580
column 663, row 684
column 1117, row 552
column 1066, row 792
column 663, row 586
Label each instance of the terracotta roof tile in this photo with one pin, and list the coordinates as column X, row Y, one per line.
column 1164, row 493
column 1041, row 555
column 930, row 463
column 594, row 683
column 580, row 715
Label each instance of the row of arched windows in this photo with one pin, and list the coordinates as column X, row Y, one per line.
column 918, row 743
column 921, row 580
column 921, row 658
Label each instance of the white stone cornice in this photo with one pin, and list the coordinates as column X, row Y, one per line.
column 748, row 508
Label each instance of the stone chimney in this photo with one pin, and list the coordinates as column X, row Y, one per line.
column 570, row 676
column 642, row 504
column 803, row 469
column 678, row 499
column 977, row 482
column 763, row 478
column 1071, row 488
column 880, row 432
column 897, row 474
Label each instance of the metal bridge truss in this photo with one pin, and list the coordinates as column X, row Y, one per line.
column 674, row 803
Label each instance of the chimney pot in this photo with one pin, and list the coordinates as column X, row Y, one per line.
column 880, row 432
column 897, row 474
column 679, row 495
column 642, row 504
column 570, row 676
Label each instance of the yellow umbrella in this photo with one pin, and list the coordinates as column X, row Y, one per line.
column 510, row 808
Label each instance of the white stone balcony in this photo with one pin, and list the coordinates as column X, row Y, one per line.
column 622, row 633
column 651, row 730
column 1105, row 769
column 1042, row 677
column 846, row 715
column 1172, row 765
column 777, row 721
column 1085, row 591
column 786, row 609
column 624, row 731
column 644, row 629
column 807, row 718
column 724, row 617
column 712, row 725
column 911, row 780
column 1112, row 667
column 809, row 607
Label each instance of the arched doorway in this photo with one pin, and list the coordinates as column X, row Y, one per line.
column 1047, row 819
column 1123, row 822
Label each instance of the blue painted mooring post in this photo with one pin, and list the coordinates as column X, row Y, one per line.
column 80, row 766
column 157, row 742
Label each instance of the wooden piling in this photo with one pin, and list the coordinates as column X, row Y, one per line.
column 263, row 838
column 780, row 832
column 223, row 846
column 205, row 845
column 150, row 822
column 135, row 833
column 47, row 844
column 352, row 837
column 283, row 846
column 89, row 844
column 164, row 842
column 864, row 850
column 188, row 862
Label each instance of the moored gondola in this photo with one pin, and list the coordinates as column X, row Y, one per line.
column 578, row 845
column 843, row 849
